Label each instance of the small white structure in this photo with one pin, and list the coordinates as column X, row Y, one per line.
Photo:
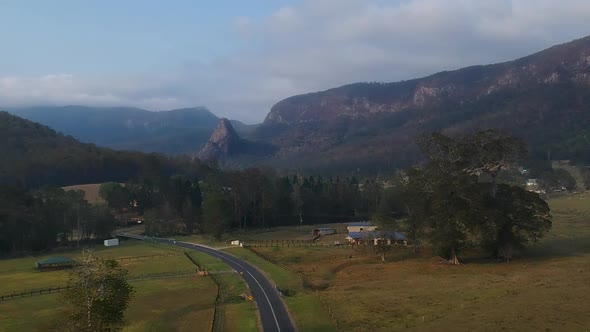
column 111, row 242
column 236, row 243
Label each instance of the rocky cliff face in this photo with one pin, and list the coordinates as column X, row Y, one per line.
column 223, row 143
column 543, row 98
column 566, row 63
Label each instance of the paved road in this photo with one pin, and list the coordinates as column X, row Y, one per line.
column 273, row 313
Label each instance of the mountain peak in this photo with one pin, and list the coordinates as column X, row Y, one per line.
column 224, row 134
column 223, row 142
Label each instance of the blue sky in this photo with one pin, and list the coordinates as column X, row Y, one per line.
column 112, row 35
column 238, row 58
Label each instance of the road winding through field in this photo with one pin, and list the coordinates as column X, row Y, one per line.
column 273, row 313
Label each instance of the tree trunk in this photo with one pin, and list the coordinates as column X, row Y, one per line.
column 453, row 260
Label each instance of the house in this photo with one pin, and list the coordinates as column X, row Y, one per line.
column 388, row 238
column 357, row 237
column 376, row 237
column 324, row 231
column 361, row 227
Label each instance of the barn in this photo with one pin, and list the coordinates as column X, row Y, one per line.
column 357, row 227
column 376, row 237
column 324, row 231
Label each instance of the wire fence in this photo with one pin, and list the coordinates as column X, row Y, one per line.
column 302, row 282
column 295, row 243
column 61, row 288
column 136, row 258
column 329, row 309
column 279, row 264
column 161, row 245
column 219, row 311
column 161, row 275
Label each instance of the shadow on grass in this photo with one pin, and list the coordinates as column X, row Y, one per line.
column 547, row 249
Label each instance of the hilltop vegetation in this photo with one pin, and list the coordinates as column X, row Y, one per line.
column 35, row 155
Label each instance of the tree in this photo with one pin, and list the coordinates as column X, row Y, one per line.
column 489, row 152
column 513, row 218
column 557, row 180
column 98, row 295
column 217, row 213
column 446, row 194
column 412, row 205
column 458, row 204
column 116, row 196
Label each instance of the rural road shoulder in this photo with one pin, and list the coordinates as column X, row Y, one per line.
column 273, row 313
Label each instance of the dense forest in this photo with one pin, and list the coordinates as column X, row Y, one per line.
column 182, row 196
column 34, row 155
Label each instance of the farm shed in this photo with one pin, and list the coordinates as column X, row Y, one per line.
column 55, row 263
column 388, row 238
column 324, row 231
column 376, row 237
column 361, row 227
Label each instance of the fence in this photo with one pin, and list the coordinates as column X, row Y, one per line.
column 301, row 280
column 219, row 311
column 294, row 243
column 58, row 289
column 163, row 245
column 134, row 258
column 279, row 264
column 327, row 307
column 161, row 275
column 33, row 292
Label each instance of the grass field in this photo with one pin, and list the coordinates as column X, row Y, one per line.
column 548, row 288
column 238, row 314
column 90, row 192
column 181, row 304
column 304, row 307
column 20, row 274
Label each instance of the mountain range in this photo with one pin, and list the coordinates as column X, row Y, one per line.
column 34, row 155
column 543, row 98
column 173, row 132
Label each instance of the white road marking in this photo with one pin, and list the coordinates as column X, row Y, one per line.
column 214, row 252
column 268, row 300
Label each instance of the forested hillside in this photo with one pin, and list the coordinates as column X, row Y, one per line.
column 371, row 127
column 126, row 128
column 34, row 155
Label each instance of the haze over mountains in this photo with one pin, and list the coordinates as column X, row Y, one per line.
column 126, row 128
column 368, row 127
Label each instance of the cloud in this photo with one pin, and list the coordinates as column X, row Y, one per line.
column 313, row 45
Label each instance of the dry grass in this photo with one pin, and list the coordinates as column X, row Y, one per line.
column 547, row 288
column 184, row 304
column 90, row 192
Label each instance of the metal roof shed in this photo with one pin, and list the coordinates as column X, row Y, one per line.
column 58, row 262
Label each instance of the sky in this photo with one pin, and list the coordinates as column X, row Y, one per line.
column 238, row 58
